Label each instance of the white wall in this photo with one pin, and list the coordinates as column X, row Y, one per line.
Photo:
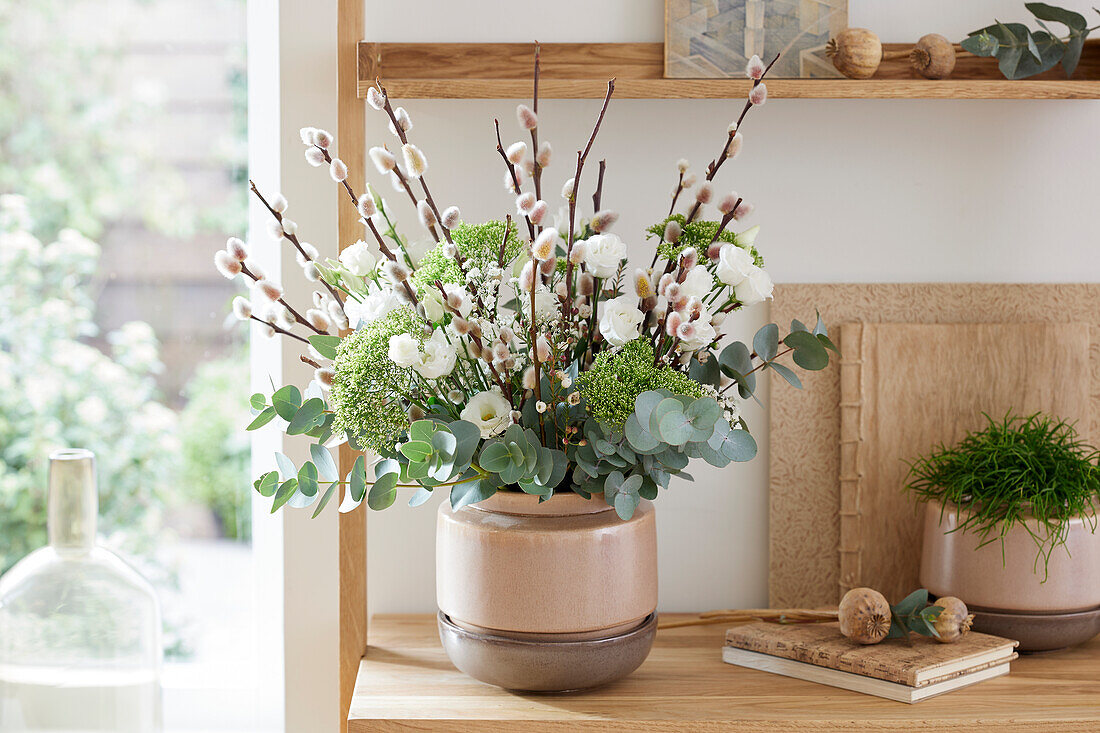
column 863, row 191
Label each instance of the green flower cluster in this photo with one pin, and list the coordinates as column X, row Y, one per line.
column 367, row 388
column 478, row 243
column 697, row 234
column 615, row 380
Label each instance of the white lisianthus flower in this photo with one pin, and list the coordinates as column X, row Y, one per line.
column 433, row 306
column 358, row 259
column 378, row 305
column 748, row 237
column 734, row 264
column 604, row 254
column 438, row 359
column 702, row 334
column 490, row 411
column 755, row 288
column 698, row 283
column 621, row 320
column 404, row 351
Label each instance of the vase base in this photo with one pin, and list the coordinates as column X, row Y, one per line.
column 517, row 663
column 1038, row 632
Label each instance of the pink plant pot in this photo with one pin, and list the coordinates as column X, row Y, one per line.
column 566, row 574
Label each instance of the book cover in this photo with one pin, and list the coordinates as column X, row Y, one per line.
column 916, row 662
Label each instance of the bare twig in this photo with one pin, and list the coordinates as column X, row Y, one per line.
column 504, row 240
column 297, row 316
column 283, row 331
column 581, row 156
column 536, row 171
column 514, row 176
column 598, row 196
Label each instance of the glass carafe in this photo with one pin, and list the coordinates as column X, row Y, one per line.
column 80, row 645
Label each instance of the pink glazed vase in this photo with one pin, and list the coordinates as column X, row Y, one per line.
column 552, row 596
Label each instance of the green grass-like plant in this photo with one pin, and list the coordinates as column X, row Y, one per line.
column 1013, row 470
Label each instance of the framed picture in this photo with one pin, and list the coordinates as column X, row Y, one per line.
column 714, row 38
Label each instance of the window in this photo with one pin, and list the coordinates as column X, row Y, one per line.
column 122, row 163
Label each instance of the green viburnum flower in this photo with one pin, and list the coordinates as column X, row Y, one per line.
column 478, row 243
column 367, row 387
column 615, row 380
column 697, row 234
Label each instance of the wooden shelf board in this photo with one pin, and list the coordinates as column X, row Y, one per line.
column 581, row 71
column 406, row 683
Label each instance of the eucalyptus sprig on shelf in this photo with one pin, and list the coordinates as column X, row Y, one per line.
column 1014, row 469
column 1022, row 52
column 913, row 614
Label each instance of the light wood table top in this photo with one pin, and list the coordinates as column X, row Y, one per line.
column 406, row 683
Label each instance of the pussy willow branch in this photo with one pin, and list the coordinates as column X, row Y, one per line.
column 715, row 164
column 536, row 171
column 571, row 289
column 297, row 316
column 534, row 343
column 283, row 331
column 404, row 141
column 293, row 237
column 675, row 196
column 504, row 240
column 515, row 177
column 505, row 386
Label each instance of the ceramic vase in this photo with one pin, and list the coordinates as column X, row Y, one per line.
column 549, row 597
column 1017, row 594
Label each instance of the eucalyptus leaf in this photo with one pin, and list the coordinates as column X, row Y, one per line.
column 257, row 401
column 325, row 498
column 307, row 416
column 266, row 416
column 470, row 492
column 326, row 467
column 286, row 401
column 766, row 341
column 325, row 345
column 786, row 373
column 420, row 496
column 282, row 496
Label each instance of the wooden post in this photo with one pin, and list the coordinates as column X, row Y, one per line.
column 350, row 136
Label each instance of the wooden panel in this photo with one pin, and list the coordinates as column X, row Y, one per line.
column 407, row 683
column 581, row 70
column 923, row 384
column 804, row 463
column 351, row 139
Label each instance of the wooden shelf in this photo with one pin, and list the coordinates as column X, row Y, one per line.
column 581, row 70
column 406, row 683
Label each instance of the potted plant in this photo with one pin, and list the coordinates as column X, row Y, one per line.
column 527, row 371
column 1010, row 527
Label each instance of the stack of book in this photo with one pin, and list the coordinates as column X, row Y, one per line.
column 906, row 671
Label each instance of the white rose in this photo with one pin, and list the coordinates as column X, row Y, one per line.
column 358, row 259
column 734, row 264
column 438, row 359
column 433, row 306
column 755, row 288
column 489, row 411
column 378, row 305
column 605, row 253
column 702, row 334
column 698, row 283
column 621, row 320
column 404, row 351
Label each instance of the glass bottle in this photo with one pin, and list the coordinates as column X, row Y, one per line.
column 80, row 645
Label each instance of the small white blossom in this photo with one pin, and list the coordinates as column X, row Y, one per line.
column 358, row 259
column 489, row 411
column 415, row 162
column 375, row 98
column 227, row 265
column 605, row 252
column 516, row 152
column 528, row 120
column 366, row 206
column 338, row 170
column 289, row 226
column 242, row 308
column 621, row 320
column 383, row 159
column 755, row 288
column 404, row 350
column 682, row 165
column 544, row 154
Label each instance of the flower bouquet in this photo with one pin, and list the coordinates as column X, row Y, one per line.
column 516, row 354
